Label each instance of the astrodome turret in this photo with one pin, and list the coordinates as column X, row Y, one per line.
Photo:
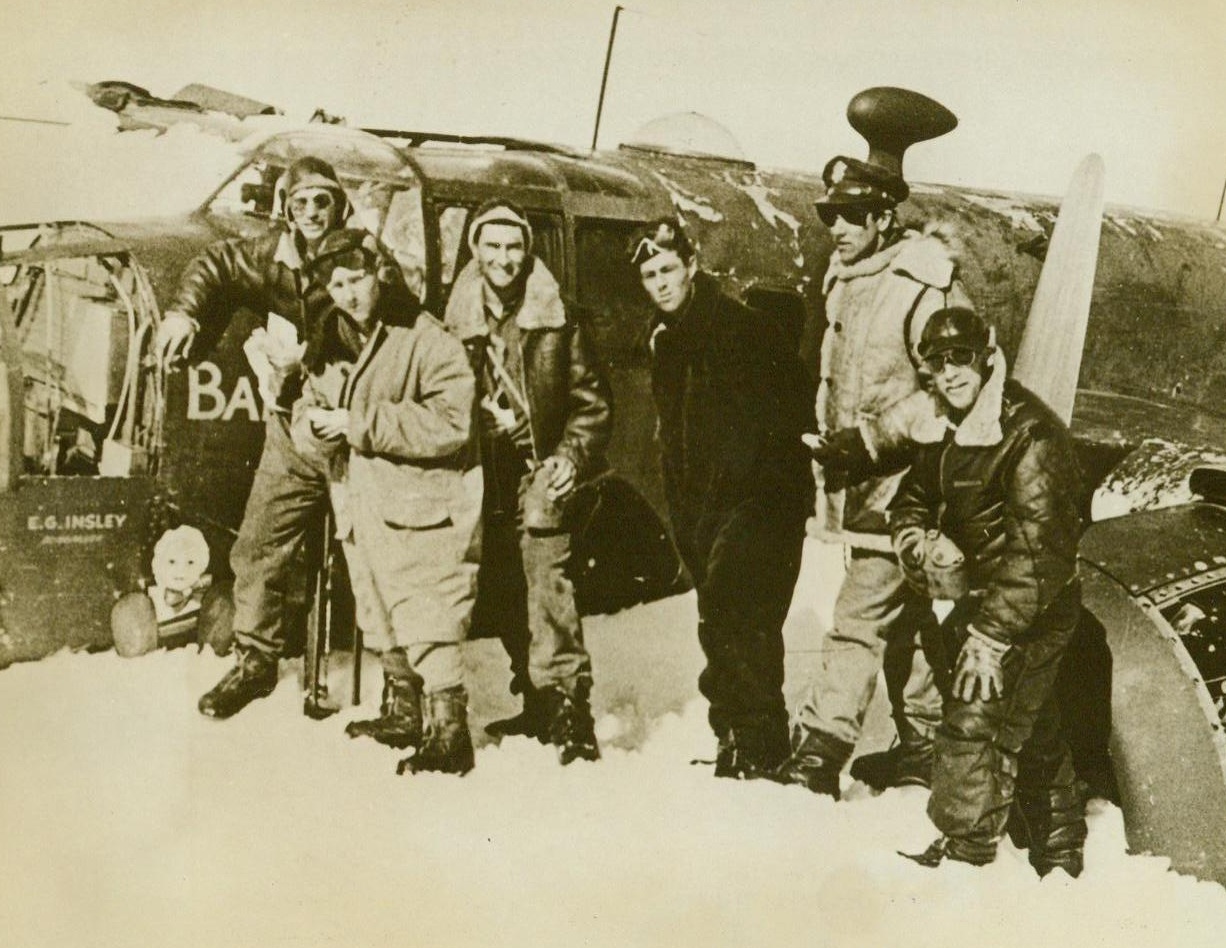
column 690, row 134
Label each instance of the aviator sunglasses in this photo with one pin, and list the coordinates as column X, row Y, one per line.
column 854, row 214
column 958, row 358
column 319, row 201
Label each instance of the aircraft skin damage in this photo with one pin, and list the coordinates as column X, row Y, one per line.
column 181, row 449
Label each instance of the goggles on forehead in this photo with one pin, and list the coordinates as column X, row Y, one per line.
column 958, row 358
column 645, row 250
column 854, row 214
column 316, row 200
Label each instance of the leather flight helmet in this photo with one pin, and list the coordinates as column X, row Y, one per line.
column 955, row 327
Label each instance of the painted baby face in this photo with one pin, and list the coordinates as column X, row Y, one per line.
column 180, row 558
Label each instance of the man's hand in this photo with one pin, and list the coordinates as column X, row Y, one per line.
column 561, row 473
column 978, row 668
column 175, row 335
column 330, row 424
column 503, row 416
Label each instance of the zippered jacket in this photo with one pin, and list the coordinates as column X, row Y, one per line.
column 1004, row 485
column 570, row 406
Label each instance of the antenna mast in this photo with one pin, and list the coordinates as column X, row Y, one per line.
column 604, row 79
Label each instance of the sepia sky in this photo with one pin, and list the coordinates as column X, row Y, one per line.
column 1036, row 84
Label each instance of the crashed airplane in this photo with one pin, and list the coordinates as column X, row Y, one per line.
column 100, row 458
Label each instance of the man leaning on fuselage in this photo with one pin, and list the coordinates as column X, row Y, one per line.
column 995, row 478
column 882, row 284
column 544, row 418
column 290, row 491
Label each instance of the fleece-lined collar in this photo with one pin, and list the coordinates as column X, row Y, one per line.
column 927, row 258
column 981, row 426
column 287, row 252
column 542, row 307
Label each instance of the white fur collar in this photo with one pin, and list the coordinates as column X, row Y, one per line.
column 542, row 307
column 981, row 426
column 927, row 257
column 287, row 251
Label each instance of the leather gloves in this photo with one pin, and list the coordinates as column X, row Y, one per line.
column 843, row 450
column 909, row 548
column 978, row 668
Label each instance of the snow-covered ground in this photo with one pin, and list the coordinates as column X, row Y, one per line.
column 133, row 821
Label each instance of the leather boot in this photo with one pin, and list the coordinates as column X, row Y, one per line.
column 447, row 745
column 908, row 762
column 532, row 721
column 254, row 675
column 956, row 849
column 571, row 728
column 399, row 722
column 1052, row 826
column 748, row 753
column 815, row 762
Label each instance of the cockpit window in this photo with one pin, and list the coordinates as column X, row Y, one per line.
column 450, row 233
column 247, row 202
column 251, row 202
column 393, row 214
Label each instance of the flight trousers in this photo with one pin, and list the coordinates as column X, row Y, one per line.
column 525, row 590
column 878, row 623
column 744, row 562
column 986, row 750
column 289, row 496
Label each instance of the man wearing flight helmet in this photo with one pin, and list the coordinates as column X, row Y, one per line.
column 882, row 284
column 994, row 482
column 406, row 496
column 543, row 422
column 267, row 274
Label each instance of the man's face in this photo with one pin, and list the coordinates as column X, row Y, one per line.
column 315, row 212
column 958, row 375
column 667, row 279
column 856, row 231
column 500, row 254
column 356, row 292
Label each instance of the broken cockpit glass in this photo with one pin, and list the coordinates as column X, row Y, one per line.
column 384, row 194
column 81, row 321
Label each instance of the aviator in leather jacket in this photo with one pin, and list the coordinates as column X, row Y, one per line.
column 265, row 275
column 569, row 403
column 1004, row 486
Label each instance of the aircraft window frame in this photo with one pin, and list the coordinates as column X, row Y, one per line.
column 257, row 181
column 81, row 416
column 548, row 242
